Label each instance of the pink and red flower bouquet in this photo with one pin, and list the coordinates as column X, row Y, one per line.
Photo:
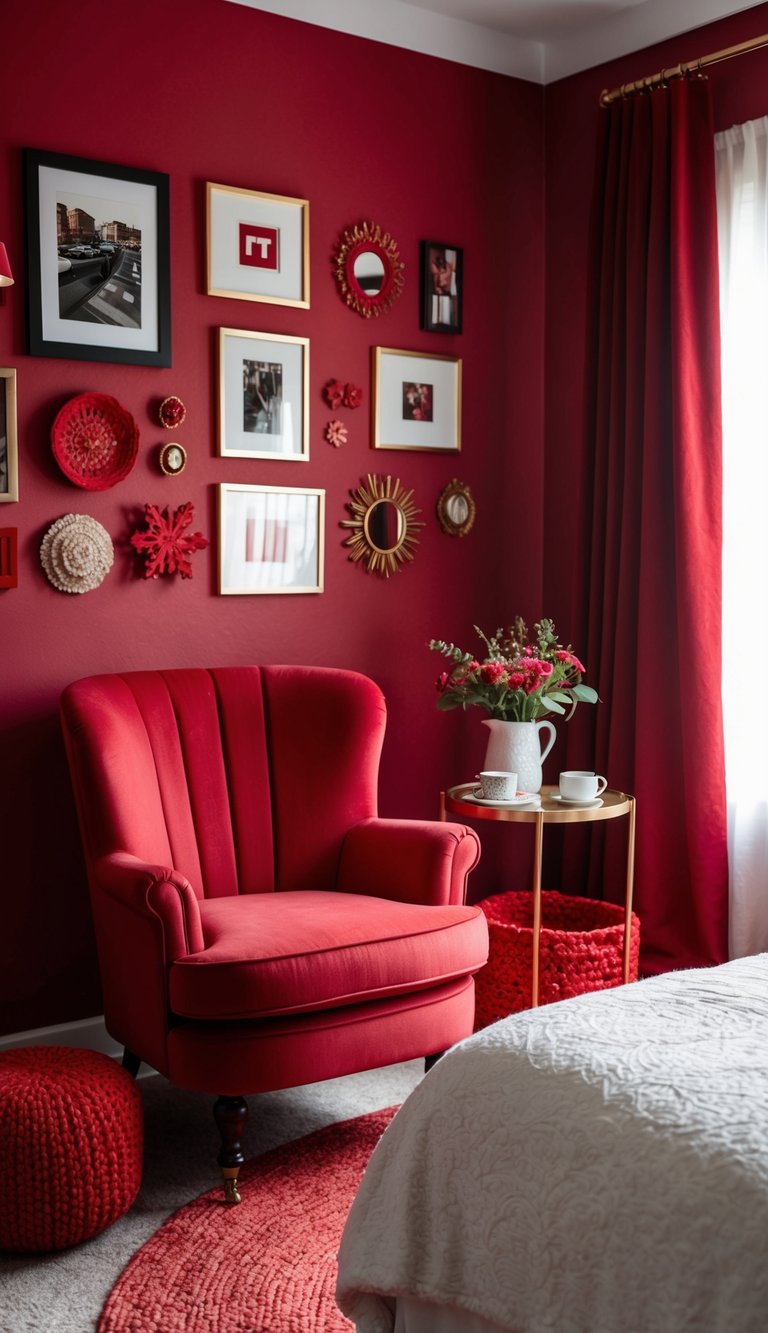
column 517, row 680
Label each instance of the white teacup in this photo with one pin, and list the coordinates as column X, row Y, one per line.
column 576, row 784
column 496, row 785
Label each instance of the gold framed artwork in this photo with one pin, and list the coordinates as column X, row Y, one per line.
column 271, row 539
column 416, row 401
column 9, row 453
column 263, row 395
column 257, row 245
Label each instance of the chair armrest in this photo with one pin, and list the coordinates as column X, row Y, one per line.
column 154, row 892
column 409, row 860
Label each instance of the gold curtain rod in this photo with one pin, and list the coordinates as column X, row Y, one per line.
column 679, row 71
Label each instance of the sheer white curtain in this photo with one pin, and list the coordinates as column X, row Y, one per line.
column 742, row 198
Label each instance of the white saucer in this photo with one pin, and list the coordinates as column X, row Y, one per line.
column 583, row 805
column 523, row 798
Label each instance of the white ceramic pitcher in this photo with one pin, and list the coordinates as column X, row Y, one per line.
column 516, row 747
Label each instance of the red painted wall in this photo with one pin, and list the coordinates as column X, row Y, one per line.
column 207, row 90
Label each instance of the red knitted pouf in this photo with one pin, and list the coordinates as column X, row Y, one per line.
column 580, row 949
column 70, row 1146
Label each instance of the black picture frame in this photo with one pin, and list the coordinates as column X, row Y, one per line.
column 442, row 287
column 98, row 286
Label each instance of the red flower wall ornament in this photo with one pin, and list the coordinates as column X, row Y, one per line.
column 333, row 393
column 336, row 433
column 166, row 544
column 353, row 396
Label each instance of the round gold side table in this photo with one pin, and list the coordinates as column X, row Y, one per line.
column 548, row 810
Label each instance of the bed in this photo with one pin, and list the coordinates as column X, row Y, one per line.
column 599, row 1165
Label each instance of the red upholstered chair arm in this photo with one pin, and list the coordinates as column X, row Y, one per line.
column 408, row 860
column 155, row 892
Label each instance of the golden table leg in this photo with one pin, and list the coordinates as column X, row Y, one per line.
column 629, row 888
column 537, row 855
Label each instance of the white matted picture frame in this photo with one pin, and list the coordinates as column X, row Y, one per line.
column 9, row 456
column 416, row 401
column 263, row 395
column 98, row 260
column 271, row 539
column 257, row 245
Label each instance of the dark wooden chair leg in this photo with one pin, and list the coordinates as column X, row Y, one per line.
column 131, row 1062
column 430, row 1060
column 230, row 1114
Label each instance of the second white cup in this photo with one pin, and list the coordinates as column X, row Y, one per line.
column 496, row 785
column 576, row 784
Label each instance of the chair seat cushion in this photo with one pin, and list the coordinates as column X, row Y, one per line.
column 291, row 952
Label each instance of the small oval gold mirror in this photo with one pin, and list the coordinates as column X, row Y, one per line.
column 368, row 269
column 383, row 525
column 456, row 509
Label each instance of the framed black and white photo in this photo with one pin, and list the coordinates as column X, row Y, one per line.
column 442, row 287
column 258, row 245
column 9, row 466
column 416, row 401
column 263, row 395
column 271, row 539
column 98, row 260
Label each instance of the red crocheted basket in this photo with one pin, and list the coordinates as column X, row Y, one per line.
column 580, row 949
column 95, row 441
column 70, row 1146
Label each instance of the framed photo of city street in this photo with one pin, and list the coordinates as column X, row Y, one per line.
column 442, row 287
column 263, row 395
column 98, row 260
column 271, row 539
column 258, row 245
column 9, row 466
column 416, row 401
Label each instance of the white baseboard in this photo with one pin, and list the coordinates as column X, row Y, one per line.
column 88, row 1033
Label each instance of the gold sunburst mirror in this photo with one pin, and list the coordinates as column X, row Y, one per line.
column 383, row 525
column 368, row 269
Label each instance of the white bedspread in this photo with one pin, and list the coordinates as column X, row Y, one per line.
column 594, row 1166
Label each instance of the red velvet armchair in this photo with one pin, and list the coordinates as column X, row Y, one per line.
column 258, row 925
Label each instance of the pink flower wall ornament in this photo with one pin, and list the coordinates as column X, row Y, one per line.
column 336, row 433
column 165, row 543
column 333, row 393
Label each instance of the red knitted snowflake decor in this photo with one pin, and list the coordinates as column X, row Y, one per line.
column 166, row 544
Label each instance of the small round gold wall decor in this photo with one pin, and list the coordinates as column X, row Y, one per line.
column 172, row 459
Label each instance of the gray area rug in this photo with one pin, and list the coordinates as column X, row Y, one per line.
column 65, row 1291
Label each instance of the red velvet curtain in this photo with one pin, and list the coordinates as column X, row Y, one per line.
column 652, row 608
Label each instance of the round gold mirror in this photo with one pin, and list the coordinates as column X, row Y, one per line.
column 456, row 509
column 383, row 525
column 368, row 269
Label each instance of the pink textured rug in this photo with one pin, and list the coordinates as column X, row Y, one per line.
column 267, row 1265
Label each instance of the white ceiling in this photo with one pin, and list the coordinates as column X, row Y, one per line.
column 540, row 40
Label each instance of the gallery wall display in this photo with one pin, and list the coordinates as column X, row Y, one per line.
column 263, row 395
column 9, row 453
column 257, row 245
column 98, row 260
column 271, row 539
column 416, row 401
column 442, row 287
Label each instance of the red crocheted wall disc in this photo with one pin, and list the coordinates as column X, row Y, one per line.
column 580, row 949
column 95, row 441
column 70, row 1146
